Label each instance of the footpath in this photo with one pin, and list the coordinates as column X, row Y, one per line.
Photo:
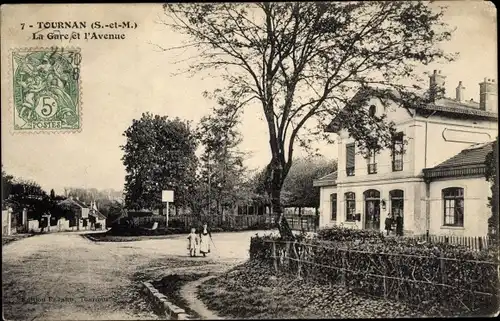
column 189, row 293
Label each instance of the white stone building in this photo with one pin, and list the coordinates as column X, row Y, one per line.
column 437, row 184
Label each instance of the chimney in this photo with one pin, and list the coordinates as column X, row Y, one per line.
column 436, row 85
column 488, row 95
column 460, row 92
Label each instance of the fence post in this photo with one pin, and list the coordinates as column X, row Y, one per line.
column 343, row 274
column 480, row 240
column 385, row 279
column 287, row 255
column 442, row 268
column 297, row 257
column 275, row 259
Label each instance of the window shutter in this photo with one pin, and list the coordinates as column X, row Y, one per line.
column 350, row 155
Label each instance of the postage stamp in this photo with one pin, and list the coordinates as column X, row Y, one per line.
column 46, row 89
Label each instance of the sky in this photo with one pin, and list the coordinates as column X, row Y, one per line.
column 121, row 79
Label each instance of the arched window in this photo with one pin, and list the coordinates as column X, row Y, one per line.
column 397, row 202
column 453, row 203
column 372, row 194
column 350, row 206
column 372, row 110
column 333, row 201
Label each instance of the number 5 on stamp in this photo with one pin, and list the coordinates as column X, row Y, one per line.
column 46, row 85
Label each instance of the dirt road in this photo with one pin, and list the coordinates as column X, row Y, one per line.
column 63, row 276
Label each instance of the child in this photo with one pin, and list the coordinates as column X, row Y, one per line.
column 193, row 242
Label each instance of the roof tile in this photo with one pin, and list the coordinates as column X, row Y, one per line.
column 474, row 155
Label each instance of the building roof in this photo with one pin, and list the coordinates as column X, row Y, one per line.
column 466, row 108
column 471, row 161
column 74, row 201
column 475, row 154
column 446, row 106
column 98, row 214
column 327, row 180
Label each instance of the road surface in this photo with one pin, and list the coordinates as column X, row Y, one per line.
column 64, row 276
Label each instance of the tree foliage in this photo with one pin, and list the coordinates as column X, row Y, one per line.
column 301, row 62
column 18, row 194
column 159, row 154
column 222, row 169
column 298, row 189
column 88, row 195
column 492, row 176
column 7, row 181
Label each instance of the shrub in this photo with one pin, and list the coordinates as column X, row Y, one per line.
column 347, row 234
column 397, row 268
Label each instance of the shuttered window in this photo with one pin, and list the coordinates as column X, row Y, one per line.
column 333, row 198
column 397, row 152
column 350, row 159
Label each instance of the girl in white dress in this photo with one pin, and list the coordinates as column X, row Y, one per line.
column 205, row 238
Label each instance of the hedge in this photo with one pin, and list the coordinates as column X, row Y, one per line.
column 458, row 279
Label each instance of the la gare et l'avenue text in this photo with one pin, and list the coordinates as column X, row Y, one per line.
column 57, row 35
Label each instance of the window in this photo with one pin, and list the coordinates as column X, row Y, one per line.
column 350, row 159
column 350, row 206
column 372, row 163
column 453, row 200
column 397, row 152
column 397, row 202
column 372, row 110
column 333, row 199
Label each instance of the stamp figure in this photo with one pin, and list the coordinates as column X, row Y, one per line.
column 46, row 85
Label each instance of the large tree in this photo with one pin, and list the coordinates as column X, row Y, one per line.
column 222, row 166
column 302, row 61
column 159, row 155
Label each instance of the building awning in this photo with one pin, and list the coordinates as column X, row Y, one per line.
column 327, row 180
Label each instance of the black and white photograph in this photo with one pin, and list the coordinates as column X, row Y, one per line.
column 249, row 160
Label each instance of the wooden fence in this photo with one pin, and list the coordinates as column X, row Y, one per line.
column 463, row 284
column 227, row 221
column 473, row 243
column 307, row 223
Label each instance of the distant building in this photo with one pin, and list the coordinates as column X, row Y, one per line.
column 437, row 184
column 85, row 215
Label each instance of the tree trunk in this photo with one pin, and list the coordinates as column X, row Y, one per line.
column 276, row 184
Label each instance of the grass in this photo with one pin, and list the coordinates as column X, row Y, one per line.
column 105, row 237
column 121, row 235
column 6, row 239
column 250, row 291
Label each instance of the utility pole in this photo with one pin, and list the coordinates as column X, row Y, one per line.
column 209, row 174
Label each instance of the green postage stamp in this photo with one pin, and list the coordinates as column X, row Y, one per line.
column 46, row 89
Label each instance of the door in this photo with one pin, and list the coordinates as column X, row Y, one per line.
column 397, row 206
column 372, row 210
